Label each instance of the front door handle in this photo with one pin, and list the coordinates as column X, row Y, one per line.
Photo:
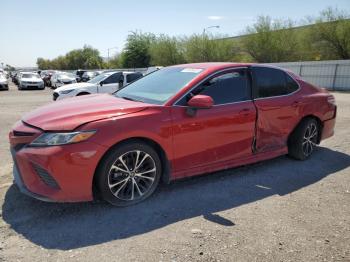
column 244, row 111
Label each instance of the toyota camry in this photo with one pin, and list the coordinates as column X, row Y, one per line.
column 177, row 122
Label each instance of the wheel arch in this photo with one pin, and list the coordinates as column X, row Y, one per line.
column 83, row 92
column 165, row 178
column 310, row 116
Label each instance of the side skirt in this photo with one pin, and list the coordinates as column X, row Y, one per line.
column 228, row 164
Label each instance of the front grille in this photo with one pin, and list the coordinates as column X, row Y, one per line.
column 67, row 82
column 55, row 96
column 45, row 177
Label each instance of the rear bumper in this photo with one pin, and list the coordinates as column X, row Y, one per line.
column 328, row 128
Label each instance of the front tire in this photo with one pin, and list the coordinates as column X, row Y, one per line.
column 129, row 174
column 304, row 139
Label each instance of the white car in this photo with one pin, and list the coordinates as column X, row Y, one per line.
column 62, row 78
column 108, row 82
column 28, row 80
column 4, row 82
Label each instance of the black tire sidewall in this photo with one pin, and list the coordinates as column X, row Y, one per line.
column 296, row 140
column 108, row 161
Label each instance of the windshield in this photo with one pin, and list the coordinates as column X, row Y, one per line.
column 99, row 78
column 30, row 76
column 89, row 74
column 158, row 87
column 66, row 75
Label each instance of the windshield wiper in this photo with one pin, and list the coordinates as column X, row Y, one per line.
column 131, row 99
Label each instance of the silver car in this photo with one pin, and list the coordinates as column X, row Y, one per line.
column 28, row 80
column 4, row 83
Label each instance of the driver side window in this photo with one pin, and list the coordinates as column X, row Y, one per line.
column 224, row 88
column 113, row 79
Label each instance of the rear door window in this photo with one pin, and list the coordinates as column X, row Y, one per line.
column 270, row 82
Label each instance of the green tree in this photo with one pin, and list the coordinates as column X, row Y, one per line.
column 165, row 51
column 208, row 48
column 136, row 51
column 86, row 58
column 271, row 40
column 330, row 34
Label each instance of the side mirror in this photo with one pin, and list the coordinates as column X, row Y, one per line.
column 101, row 83
column 199, row 102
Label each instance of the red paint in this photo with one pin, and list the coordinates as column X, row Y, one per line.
column 215, row 138
column 201, row 102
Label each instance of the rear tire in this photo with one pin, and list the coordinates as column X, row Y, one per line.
column 303, row 140
column 128, row 174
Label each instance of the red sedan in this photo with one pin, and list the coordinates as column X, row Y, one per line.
column 180, row 121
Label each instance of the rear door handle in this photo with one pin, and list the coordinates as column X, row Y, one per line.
column 296, row 103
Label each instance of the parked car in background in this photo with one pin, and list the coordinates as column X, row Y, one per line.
column 78, row 74
column 62, row 78
column 108, row 82
column 4, row 82
column 29, row 80
column 178, row 122
column 14, row 77
column 46, row 76
column 88, row 75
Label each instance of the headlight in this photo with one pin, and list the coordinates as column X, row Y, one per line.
column 64, row 92
column 55, row 139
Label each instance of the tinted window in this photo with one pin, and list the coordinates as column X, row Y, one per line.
column 113, row 79
column 292, row 86
column 226, row 88
column 132, row 77
column 269, row 82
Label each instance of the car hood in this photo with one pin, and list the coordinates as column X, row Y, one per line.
column 70, row 113
column 66, row 78
column 74, row 86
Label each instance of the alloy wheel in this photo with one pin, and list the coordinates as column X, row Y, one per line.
column 310, row 139
column 132, row 175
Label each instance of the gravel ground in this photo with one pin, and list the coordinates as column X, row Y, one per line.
column 277, row 210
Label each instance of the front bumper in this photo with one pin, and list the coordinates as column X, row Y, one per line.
column 56, row 173
column 19, row 183
column 32, row 85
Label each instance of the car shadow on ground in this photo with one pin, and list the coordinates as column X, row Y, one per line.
column 69, row 226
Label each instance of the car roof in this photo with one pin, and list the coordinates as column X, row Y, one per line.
column 213, row 65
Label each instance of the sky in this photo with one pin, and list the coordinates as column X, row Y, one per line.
column 49, row 28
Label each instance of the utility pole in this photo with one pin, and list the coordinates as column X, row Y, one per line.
column 206, row 28
column 108, row 54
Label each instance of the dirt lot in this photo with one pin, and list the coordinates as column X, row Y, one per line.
column 278, row 210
